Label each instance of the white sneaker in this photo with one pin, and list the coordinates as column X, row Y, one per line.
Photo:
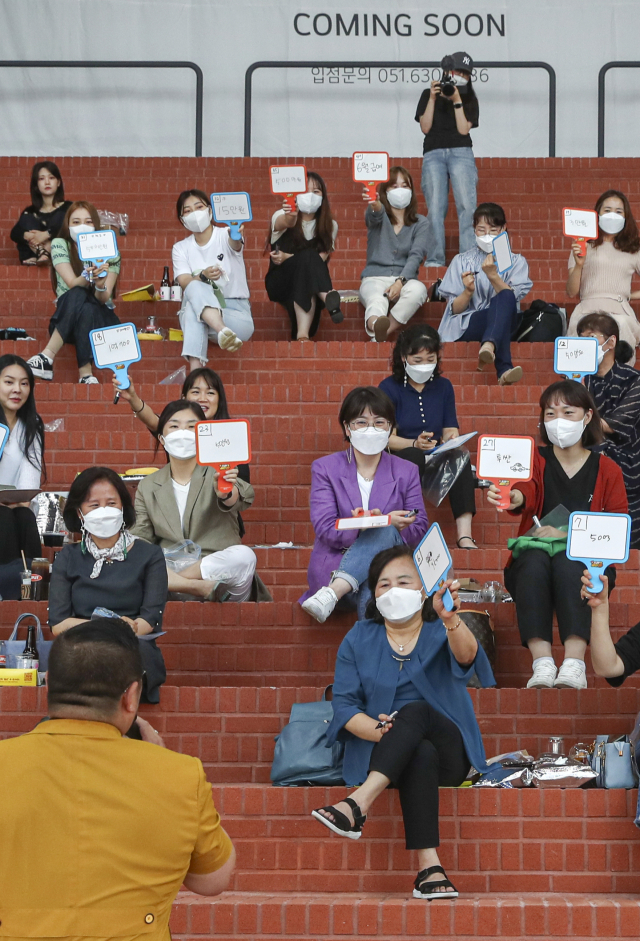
column 227, row 340
column 571, row 675
column 88, row 381
column 320, row 605
column 544, row 674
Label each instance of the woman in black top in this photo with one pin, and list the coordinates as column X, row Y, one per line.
column 446, row 120
column 301, row 244
column 41, row 221
column 109, row 569
column 613, row 661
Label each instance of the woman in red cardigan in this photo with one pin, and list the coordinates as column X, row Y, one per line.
column 565, row 473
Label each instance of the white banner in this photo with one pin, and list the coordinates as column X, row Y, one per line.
column 309, row 111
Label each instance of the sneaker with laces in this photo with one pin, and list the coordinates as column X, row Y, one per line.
column 544, row 674
column 88, row 381
column 41, row 366
column 571, row 675
column 320, row 605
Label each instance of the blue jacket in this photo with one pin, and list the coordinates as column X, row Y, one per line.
column 365, row 681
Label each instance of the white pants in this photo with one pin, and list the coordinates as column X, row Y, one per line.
column 233, row 567
column 236, row 315
column 412, row 296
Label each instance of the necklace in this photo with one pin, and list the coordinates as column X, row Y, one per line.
column 402, row 646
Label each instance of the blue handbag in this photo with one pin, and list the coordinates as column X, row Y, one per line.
column 13, row 648
column 302, row 756
column 614, row 763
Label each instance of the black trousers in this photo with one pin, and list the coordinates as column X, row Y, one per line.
column 77, row 314
column 18, row 533
column 421, row 752
column 298, row 280
column 462, row 497
column 539, row 585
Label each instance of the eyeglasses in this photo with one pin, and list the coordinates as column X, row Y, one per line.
column 361, row 424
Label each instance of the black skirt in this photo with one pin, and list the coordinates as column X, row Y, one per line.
column 297, row 281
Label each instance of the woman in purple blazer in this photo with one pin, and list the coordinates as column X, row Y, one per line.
column 365, row 477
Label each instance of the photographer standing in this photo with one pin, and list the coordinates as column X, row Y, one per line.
column 446, row 114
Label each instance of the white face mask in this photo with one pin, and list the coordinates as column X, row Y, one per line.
column 103, row 522
column 180, row 444
column 563, row 432
column 197, row 221
column 399, row 196
column 602, row 351
column 485, row 243
column 370, row 441
column 76, row 230
column 611, row 223
column 459, row 80
column 421, row 373
column 309, row 202
column 399, row 604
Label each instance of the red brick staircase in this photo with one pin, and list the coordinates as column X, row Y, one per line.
column 534, row 864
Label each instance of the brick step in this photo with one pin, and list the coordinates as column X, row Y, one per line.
column 521, row 915
column 232, row 729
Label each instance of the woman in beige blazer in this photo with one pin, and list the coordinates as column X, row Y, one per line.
column 182, row 501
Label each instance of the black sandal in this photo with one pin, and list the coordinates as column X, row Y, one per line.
column 428, row 891
column 475, row 544
column 342, row 825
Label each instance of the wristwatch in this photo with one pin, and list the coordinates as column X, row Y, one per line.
column 458, row 105
column 404, row 280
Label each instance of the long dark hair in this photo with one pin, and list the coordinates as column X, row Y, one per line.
column 37, row 199
column 411, row 212
column 64, row 233
column 419, row 336
column 324, row 222
column 33, row 424
column 578, row 396
column 214, row 381
column 628, row 239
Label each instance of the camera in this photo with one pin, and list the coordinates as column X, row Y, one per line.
column 447, row 87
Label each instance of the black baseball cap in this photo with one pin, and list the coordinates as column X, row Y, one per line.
column 460, row 61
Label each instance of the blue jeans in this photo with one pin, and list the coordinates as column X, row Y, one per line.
column 438, row 167
column 356, row 561
column 495, row 324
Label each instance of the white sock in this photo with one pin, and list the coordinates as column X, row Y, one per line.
column 542, row 660
column 569, row 661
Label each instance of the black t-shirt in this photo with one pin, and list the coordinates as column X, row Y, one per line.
column 576, row 493
column 444, row 131
column 628, row 649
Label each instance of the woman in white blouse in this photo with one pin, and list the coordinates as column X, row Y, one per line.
column 21, row 465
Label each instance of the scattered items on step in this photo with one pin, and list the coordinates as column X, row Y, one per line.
column 115, row 220
column 491, row 592
column 14, row 333
column 279, row 545
column 551, row 769
column 48, row 508
column 151, row 330
column 145, row 293
column 349, row 296
column 176, row 378
column 56, row 425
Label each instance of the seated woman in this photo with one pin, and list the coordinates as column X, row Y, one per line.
column 401, row 707
column 109, row 569
column 614, row 661
column 84, row 295
column 481, row 304
column 209, row 267
column 40, row 222
column 344, row 484
column 425, row 407
column 616, row 392
column 21, row 467
column 396, row 247
column 566, row 474
column 602, row 277
column 300, row 245
column 182, row 501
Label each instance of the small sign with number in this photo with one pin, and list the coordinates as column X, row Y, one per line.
column 370, row 168
column 4, row 437
column 222, row 445
column 232, row 209
column 97, row 247
column 288, row 181
column 433, row 561
column 501, row 249
column 598, row 539
column 580, row 224
column 505, row 459
column 116, row 348
column 575, row 357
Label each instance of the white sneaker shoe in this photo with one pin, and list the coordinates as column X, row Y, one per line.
column 227, row 340
column 544, row 674
column 88, row 381
column 320, row 605
column 571, row 675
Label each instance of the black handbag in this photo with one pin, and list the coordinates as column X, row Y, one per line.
column 302, row 756
column 540, row 323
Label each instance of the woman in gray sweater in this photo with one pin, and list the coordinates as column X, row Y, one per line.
column 396, row 247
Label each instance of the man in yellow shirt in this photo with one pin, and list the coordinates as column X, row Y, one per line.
column 100, row 831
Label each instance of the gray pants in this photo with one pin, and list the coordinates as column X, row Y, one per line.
column 236, row 315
